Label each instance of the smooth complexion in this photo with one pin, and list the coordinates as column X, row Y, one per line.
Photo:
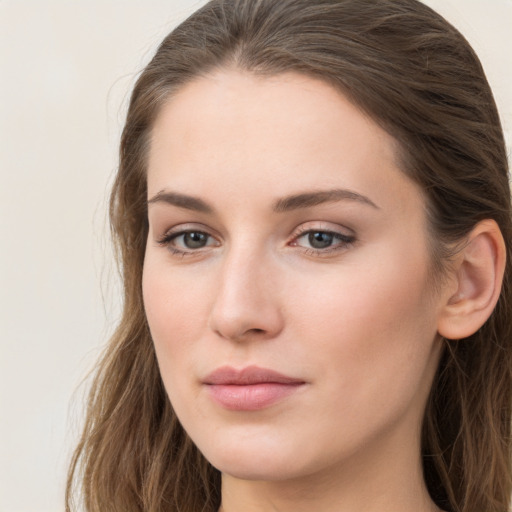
column 283, row 237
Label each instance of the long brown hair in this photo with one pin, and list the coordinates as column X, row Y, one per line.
column 418, row 78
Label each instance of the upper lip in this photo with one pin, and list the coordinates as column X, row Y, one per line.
column 227, row 375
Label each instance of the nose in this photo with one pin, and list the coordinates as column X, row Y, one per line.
column 246, row 304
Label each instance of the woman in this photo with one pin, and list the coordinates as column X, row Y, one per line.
column 313, row 218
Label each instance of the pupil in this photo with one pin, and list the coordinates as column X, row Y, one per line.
column 320, row 240
column 195, row 240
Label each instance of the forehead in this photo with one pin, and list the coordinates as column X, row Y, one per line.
column 267, row 135
column 263, row 105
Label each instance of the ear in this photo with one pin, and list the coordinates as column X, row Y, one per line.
column 478, row 273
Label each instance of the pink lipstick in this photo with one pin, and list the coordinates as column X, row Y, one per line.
column 249, row 389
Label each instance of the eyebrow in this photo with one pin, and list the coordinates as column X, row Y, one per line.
column 309, row 199
column 181, row 201
column 289, row 203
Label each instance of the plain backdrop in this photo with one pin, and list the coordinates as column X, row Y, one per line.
column 66, row 69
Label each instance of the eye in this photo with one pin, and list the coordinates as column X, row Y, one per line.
column 187, row 241
column 192, row 239
column 319, row 241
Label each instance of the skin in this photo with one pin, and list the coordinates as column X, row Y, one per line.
column 355, row 321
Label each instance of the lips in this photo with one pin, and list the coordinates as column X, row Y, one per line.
column 249, row 389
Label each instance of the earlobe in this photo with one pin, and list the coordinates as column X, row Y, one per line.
column 480, row 266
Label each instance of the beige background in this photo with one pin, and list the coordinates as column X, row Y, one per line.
column 66, row 68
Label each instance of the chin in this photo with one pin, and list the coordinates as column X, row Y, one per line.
column 258, row 469
column 248, row 460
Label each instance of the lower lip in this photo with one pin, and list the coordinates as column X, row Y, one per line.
column 250, row 397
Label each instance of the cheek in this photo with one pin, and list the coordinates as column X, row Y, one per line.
column 374, row 298
column 371, row 325
column 175, row 309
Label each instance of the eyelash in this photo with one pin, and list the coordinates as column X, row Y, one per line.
column 344, row 241
column 167, row 239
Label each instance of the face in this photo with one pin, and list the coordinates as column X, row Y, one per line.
column 286, row 278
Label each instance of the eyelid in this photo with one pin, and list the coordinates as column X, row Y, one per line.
column 327, row 227
column 174, row 232
column 185, row 228
column 345, row 240
column 345, row 237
